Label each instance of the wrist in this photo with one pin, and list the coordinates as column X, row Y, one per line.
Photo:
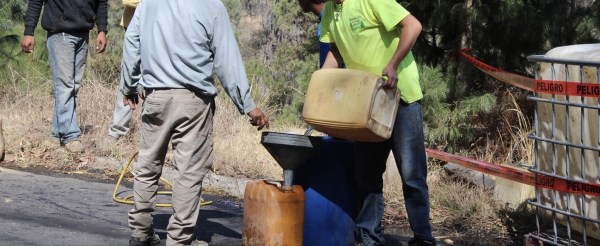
column 29, row 30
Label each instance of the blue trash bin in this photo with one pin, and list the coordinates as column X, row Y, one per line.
column 330, row 189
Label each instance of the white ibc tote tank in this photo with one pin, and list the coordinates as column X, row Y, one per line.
column 581, row 129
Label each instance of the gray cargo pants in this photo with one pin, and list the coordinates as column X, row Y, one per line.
column 186, row 119
column 121, row 118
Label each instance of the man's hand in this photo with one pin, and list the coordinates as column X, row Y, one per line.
column 258, row 119
column 392, row 80
column 27, row 44
column 132, row 100
column 100, row 42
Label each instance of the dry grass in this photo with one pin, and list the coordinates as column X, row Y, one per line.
column 469, row 213
column 460, row 212
column 27, row 117
column 510, row 144
column 466, row 214
column 238, row 152
column 520, row 146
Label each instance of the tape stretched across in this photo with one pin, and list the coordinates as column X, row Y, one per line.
column 567, row 88
column 499, row 74
column 529, row 178
column 524, row 177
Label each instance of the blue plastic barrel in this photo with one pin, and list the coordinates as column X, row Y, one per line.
column 330, row 189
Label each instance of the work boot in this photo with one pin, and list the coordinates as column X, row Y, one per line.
column 145, row 241
column 75, row 146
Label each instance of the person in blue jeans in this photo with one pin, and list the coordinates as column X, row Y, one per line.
column 407, row 144
column 316, row 7
column 377, row 36
column 68, row 24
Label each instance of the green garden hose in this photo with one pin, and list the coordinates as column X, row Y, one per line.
column 126, row 200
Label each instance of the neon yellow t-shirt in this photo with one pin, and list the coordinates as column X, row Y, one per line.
column 366, row 35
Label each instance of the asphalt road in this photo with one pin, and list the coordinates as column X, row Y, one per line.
column 56, row 209
column 42, row 207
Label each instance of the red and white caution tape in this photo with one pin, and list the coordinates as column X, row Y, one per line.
column 514, row 174
column 567, row 88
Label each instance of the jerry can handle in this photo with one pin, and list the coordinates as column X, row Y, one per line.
column 381, row 81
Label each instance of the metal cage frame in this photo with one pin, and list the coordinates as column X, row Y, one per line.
column 584, row 217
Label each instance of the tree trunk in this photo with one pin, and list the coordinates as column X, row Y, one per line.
column 465, row 70
column 435, row 44
column 570, row 23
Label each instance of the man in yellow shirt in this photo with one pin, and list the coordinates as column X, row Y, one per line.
column 123, row 113
column 377, row 36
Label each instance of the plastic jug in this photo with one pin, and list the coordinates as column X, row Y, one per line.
column 350, row 104
column 272, row 217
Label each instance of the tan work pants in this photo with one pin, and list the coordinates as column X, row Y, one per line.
column 186, row 119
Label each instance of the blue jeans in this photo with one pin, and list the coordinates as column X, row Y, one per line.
column 407, row 144
column 68, row 54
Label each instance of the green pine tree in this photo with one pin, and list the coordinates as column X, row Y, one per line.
column 11, row 13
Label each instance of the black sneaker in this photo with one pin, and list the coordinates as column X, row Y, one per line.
column 427, row 242
column 358, row 244
column 422, row 242
column 145, row 241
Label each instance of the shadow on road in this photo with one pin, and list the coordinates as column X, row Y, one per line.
column 206, row 228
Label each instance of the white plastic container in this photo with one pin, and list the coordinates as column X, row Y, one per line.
column 350, row 104
column 579, row 130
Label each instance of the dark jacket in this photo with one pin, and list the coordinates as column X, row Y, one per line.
column 67, row 15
